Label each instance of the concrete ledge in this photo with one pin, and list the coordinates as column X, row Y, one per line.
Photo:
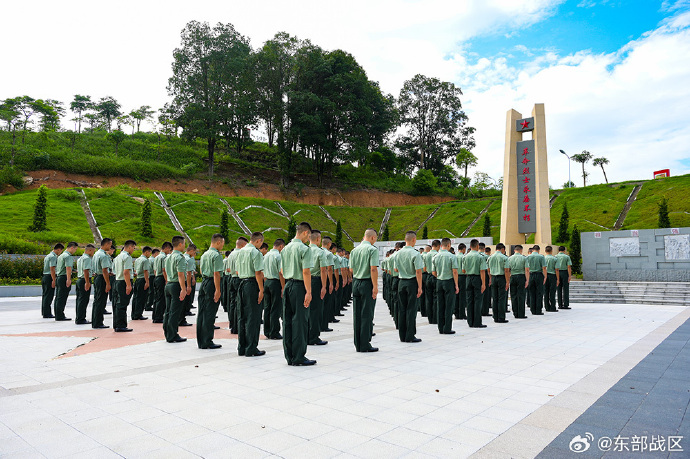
column 7, row 291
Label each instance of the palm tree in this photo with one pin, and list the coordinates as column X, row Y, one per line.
column 601, row 162
column 583, row 158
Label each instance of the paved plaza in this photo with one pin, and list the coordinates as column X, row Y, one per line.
column 509, row 390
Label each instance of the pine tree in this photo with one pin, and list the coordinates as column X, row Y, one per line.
column 338, row 234
column 146, row 230
column 664, row 220
column 425, row 233
column 224, row 225
column 563, row 225
column 576, row 251
column 486, row 231
column 40, row 220
column 385, row 236
column 292, row 229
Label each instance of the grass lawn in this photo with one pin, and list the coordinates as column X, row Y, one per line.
column 644, row 212
column 407, row 218
column 454, row 218
column 355, row 220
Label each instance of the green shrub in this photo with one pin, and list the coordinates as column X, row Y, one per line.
column 11, row 175
column 67, row 194
column 423, row 182
column 40, row 219
column 18, row 246
column 21, row 267
column 22, row 281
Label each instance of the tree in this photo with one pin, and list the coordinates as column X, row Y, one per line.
column 436, row 124
column 116, row 137
column 583, row 158
column 576, row 251
column 423, row 182
column 664, row 221
column 482, row 181
column 50, row 112
column 9, row 113
column 292, row 229
column 385, row 236
column 26, row 106
column 465, row 159
column 141, row 114
column 125, row 120
column 425, row 233
column 108, row 109
column 486, row 230
column 601, row 162
column 224, row 229
column 146, row 230
column 40, row 220
column 338, row 234
column 79, row 105
column 167, row 118
column 569, row 185
column 563, row 225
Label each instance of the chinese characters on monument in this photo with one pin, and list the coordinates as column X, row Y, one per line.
column 527, row 195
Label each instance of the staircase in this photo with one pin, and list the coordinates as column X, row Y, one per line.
column 663, row 293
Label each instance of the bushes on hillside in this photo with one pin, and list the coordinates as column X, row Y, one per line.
column 21, row 267
column 423, row 182
column 11, row 175
column 11, row 245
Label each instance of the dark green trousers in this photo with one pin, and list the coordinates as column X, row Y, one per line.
column 517, row 295
column 315, row 311
column 100, row 297
column 563, row 289
column 121, row 302
column 395, row 299
column 82, row 299
column 48, row 292
column 233, row 298
column 550, row 293
column 536, row 292
column 61, row 294
column 150, row 294
column 249, row 317
column 407, row 309
column 326, row 306
column 295, row 321
column 498, row 298
column 158, row 298
column 273, row 307
column 206, row 314
column 224, row 287
column 173, row 311
column 462, row 298
column 139, row 298
column 188, row 303
column 431, row 299
column 445, row 299
column 363, row 313
column 338, row 297
column 421, row 301
column 486, row 299
column 475, row 299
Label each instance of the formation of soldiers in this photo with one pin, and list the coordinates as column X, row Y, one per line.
column 307, row 283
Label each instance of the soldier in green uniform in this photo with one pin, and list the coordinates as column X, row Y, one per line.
column 551, row 281
column 462, row 288
column 338, row 279
column 211, row 267
column 189, row 257
column 444, row 267
column 430, row 297
column 421, row 301
column 345, row 280
column 48, row 281
column 395, row 284
column 123, row 268
column 101, row 282
column 527, row 300
column 225, row 281
column 141, row 284
column 564, row 271
column 150, row 296
column 63, row 282
column 319, row 281
column 474, row 267
column 486, row 299
column 537, row 279
column 274, row 283
column 175, row 290
column 499, row 270
column 297, row 263
column 233, row 290
column 250, row 265
column 364, row 269
column 333, row 285
column 84, row 284
column 409, row 264
column 519, row 280
column 159, row 282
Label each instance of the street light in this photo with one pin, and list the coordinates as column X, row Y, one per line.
column 566, row 155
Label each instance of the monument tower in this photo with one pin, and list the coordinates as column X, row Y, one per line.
column 525, row 207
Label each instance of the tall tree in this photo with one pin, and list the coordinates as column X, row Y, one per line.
column 205, row 68
column 146, row 230
column 486, row 229
column 116, row 137
column 601, row 162
column 50, row 112
column 425, row 232
column 436, row 124
column 141, row 114
column 9, row 113
column 224, row 227
column 583, row 158
column 664, row 221
column 338, row 234
column 465, row 159
column 563, row 225
column 167, row 118
column 79, row 106
column 40, row 218
column 27, row 108
column 109, row 109
column 576, row 251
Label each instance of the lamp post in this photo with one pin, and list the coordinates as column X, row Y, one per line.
column 566, row 155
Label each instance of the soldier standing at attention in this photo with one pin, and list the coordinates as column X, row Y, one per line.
column 551, row 281
column 486, row 304
column 345, row 282
column 297, row 264
column 250, row 265
column 444, row 266
column 425, row 280
column 189, row 257
column 365, row 262
column 519, row 280
column 141, row 284
column 48, row 281
column 111, row 254
column 537, row 279
column 211, row 267
column 565, row 274
column 123, row 267
column 500, row 283
column 150, row 296
column 159, row 282
column 474, row 267
column 326, row 244
column 395, row 283
column 431, row 300
column 527, row 300
column 84, row 284
column 462, row 288
column 274, row 283
column 233, row 290
column 337, row 275
column 63, row 283
column 101, row 282
column 225, row 284
column 319, row 281
column 175, row 290
column 409, row 264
